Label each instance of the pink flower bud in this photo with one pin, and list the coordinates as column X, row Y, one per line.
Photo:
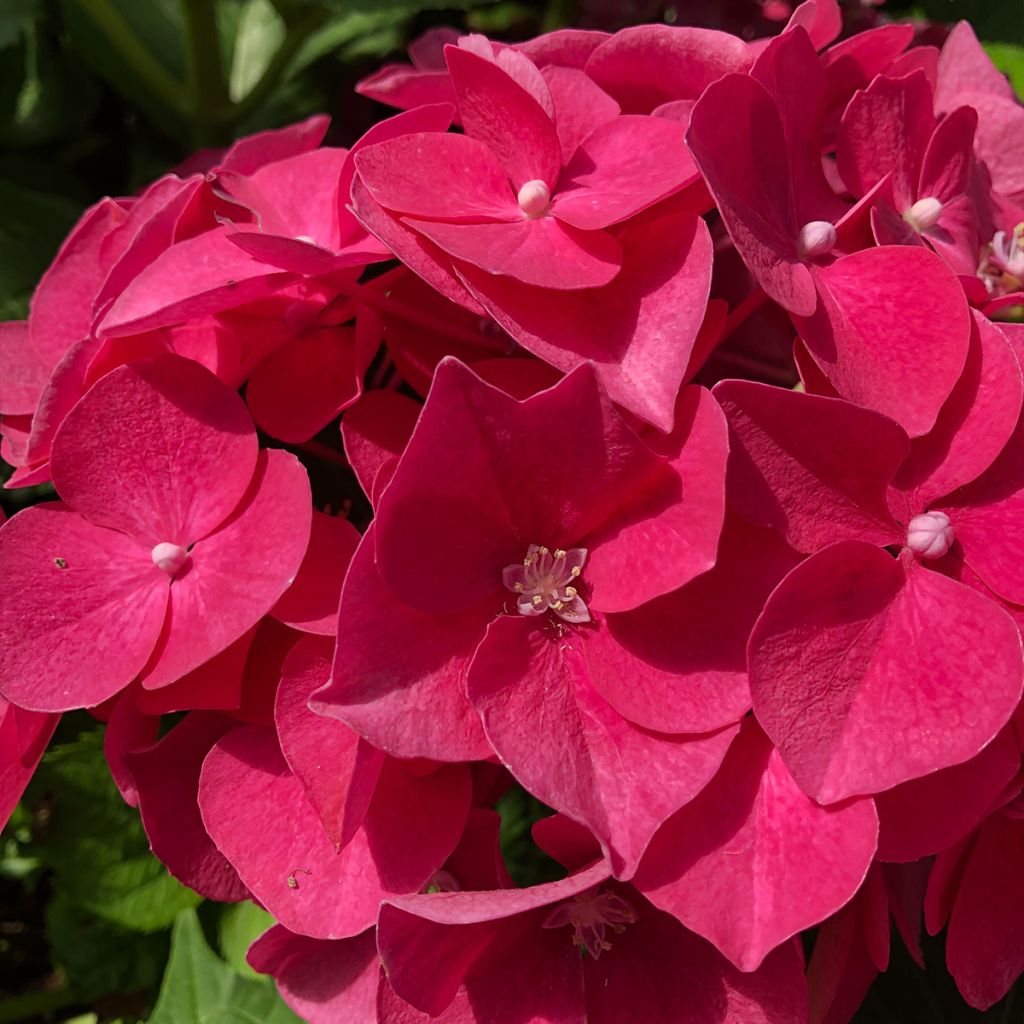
column 169, row 557
column 816, row 238
column 534, row 198
column 930, row 535
column 924, row 214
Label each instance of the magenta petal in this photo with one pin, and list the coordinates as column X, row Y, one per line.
column 927, row 815
column 338, row 777
column 429, row 943
column 985, row 942
column 240, row 570
column 879, row 348
column 498, row 111
column 678, row 664
column 323, row 981
column 850, row 639
column 255, row 151
column 666, row 534
column 21, row 369
column 638, row 331
column 621, row 168
column 160, row 450
column 128, row 729
column 752, row 860
column 399, row 674
column 258, row 815
column 736, row 136
column 311, row 602
column 81, row 609
column 537, row 251
column 816, row 469
column 201, row 275
column 23, row 739
column 580, row 106
column 167, row 779
column 439, row 177
column 375, row 432
column 489, row 470
column 975, row 423
column 573, row 751
column 647, row 65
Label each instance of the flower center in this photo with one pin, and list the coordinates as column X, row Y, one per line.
column 816, row 238
column 591, row 914
column 1002, row 262
column 930, row 535
column 924, row 214
column 169, row 557
column 443, row 881
column 534, row 198
column 545, row 580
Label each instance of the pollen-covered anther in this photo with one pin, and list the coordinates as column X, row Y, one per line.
column 924, row 214
column 534, row 198
column 930, row 535
column 591, row 914
column 816, row 238
column 169, row 557
column 543, row 581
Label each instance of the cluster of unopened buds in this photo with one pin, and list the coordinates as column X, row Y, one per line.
column 682, row 471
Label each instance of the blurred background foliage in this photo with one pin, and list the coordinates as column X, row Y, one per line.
column 97, row 97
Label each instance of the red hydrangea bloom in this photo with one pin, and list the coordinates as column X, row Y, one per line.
column 23, row 738
column 176, row 515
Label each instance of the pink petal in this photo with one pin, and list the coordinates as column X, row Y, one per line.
column 543, row 252
column 565, row 744
column 498, row 111
column 240, row 570
column 257, row 813
column 924, row 816
column 638, row 331
column 509, row 481
column 399, row 674
column 311, row 602
column 849, row 640
column 338, row 771
column 72, row 636
column 736, row 136
column 752, row 861
column 647, row 65
column 621, row 168
column 62, row 306
column 167, row 778
column 985, row 941
column 949, row 160
column 323, row 981
column 679, row 663
column 852, row 63
column 821, row 19
column 438, row 176
column 973, row 426
column 298, row 389
column 816, row 469
column 128, row 729
column 580, row 106
column 160, row 450
column 667, row 533
column 965, row 67
column 375, row 432
column 201, row 275
column 255, row 151
column 21, row 370
column 24, row 736
column 880, row 347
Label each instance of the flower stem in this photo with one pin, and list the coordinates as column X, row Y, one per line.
column 206, row 84
column 741, row 313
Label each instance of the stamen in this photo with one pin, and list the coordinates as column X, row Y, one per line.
column 542, row 583
column 591, row 914
column 534, row 198
column 816, row 238
column 169, row 557
column 930, row 535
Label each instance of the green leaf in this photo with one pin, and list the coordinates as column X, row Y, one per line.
column 394, row 7
column 99, row 958
column 14, row 15
column 526, row 862
column 258, row 37
column 199, row 988
column 240, row 925
column 1010, row 60
column 96, row 845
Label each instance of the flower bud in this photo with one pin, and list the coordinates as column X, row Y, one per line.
column 816, row 238
column 930, row 535
column 534, row 198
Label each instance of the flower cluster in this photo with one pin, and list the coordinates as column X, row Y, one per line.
column 741, row 611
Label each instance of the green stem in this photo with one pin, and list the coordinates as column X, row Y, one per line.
column 298, row 32
column 163, row 87
column 36, row 1004
column 207, row 86
column 1008, row 1016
